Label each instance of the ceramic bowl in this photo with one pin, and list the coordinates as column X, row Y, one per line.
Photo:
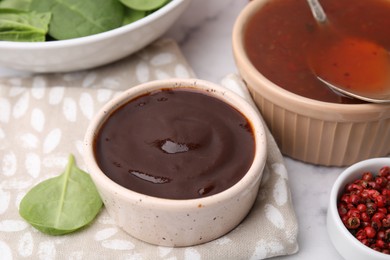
column 90, row 51
column 308, row 130
column 345, row 243
column 171, row 222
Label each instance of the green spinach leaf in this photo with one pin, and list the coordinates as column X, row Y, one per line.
column 78, row 18
column 62, row 204
column 132, row 15
column 23, row 26
column 21, row 5
column 144, row 5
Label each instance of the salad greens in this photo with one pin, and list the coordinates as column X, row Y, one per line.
column 78, row 18
column 132, row 15
column 62, row 204
column 22, row 26
column 40, row 20
column 21, row 5
column 144, row 5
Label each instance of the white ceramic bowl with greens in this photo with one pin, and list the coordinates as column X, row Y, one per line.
column 178, row 222
column 90, row 51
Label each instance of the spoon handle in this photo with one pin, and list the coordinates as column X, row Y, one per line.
column 317, row 10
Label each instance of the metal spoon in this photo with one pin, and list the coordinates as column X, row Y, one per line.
column 374, row 83
column 317, row 11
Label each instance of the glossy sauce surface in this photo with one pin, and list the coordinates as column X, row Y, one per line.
column 280, row 36
column 176, row 144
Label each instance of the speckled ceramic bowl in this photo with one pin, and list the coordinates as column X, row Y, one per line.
column 345, row 243
column 309, row 130
column 171, row 222
column 90, row 51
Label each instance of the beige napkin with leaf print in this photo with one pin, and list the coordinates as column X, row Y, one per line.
column 43, row 118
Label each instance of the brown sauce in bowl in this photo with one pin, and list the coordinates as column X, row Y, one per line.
column 279, row 36
column 175, row 144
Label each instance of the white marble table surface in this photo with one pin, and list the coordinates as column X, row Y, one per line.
column 204, row 36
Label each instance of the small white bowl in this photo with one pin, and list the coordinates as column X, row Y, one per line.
column 345, row 243
column 171, row 222
column 90, row 51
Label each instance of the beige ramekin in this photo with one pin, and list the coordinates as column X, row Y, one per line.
column 309, row 130
column 169, row 222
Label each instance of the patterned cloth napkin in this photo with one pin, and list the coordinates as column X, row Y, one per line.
column 43, row 119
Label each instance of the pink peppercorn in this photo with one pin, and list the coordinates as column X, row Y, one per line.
column 364, row 207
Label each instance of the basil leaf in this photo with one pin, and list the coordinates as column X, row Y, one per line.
column 144, row 5
column 132, row 15
column 62, row 204
column 22, row 5
column 23, row 26
column 78, row 18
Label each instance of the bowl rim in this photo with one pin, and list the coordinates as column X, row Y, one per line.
column 349, row 174
column 95, row 37
column 284, row 95
column 245, row 184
